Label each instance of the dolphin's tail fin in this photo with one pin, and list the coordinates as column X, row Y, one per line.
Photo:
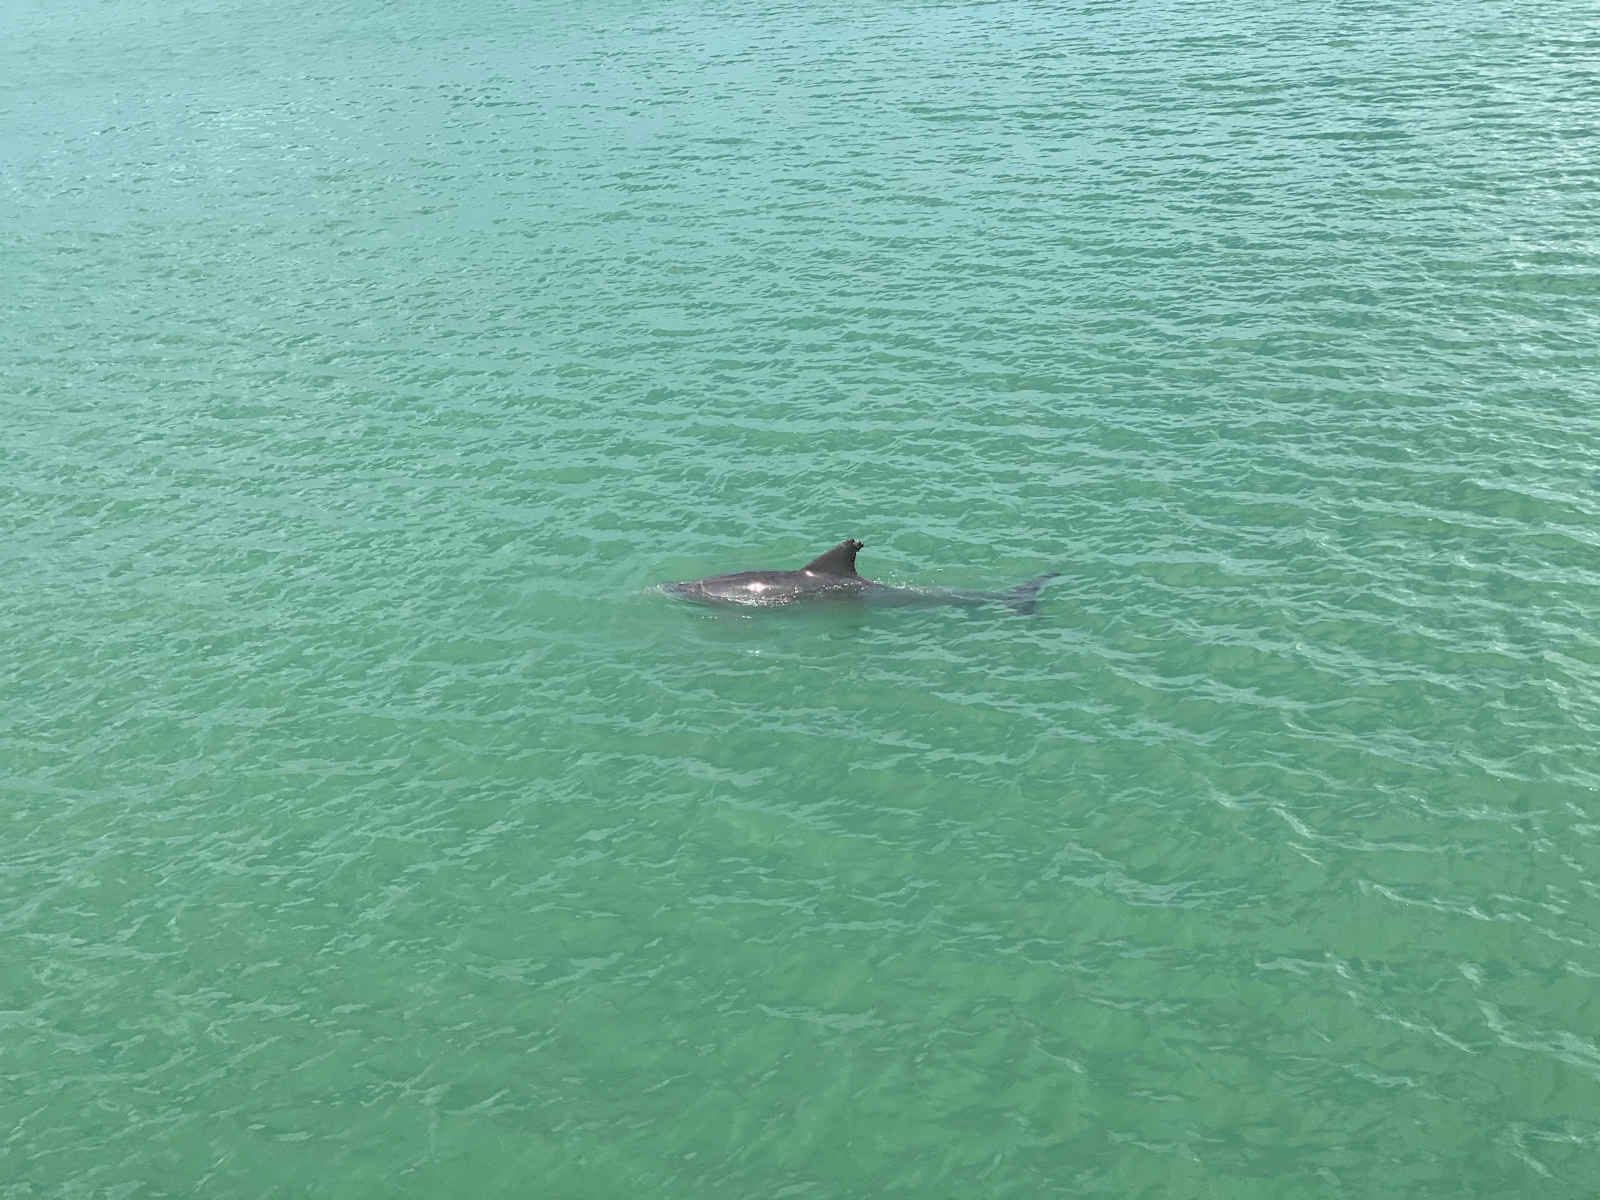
column 1024, row 598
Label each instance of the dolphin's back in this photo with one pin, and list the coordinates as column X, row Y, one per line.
column 833, row 574
column 765, row 588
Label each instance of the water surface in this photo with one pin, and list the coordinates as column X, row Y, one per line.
column 371, row 827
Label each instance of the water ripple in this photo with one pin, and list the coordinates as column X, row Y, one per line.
column 373, row 825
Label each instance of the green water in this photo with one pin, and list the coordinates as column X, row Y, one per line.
column 370, row 827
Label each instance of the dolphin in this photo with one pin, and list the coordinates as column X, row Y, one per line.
column 832, row 576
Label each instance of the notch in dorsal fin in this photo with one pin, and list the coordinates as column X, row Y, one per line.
column 841, row 560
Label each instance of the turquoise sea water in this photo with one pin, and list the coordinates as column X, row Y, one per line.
column 369, row 827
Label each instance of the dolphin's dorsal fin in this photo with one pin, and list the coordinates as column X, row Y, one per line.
column 841, row 560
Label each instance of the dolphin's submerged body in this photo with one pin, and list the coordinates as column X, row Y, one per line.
column 832, row 576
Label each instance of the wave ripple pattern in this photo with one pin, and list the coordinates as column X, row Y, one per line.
column 369, row 826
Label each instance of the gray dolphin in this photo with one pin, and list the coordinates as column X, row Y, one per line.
column 832, row 576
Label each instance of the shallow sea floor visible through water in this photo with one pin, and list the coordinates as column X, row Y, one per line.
column 370, row 827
